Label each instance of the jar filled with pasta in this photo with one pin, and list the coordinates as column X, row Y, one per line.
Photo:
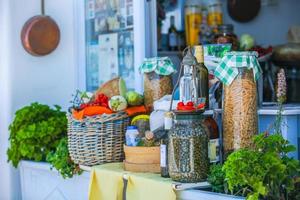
column 239, row 72
column 158, row 82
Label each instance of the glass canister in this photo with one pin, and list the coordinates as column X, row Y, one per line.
column 226, row 35
column 193, row 19
column 215, row 14
column 188, row 149
column 157, row 79
column 239, row 72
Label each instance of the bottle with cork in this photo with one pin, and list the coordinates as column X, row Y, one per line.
column 202, row 74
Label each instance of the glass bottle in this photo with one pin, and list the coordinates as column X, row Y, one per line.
column 226, row 35
column 214, row 137
column 173, row 35
column 202, row 75
column 188, row 86
column 193, row 20
column 168, row 121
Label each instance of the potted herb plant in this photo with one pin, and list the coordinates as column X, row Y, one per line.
column 38, row 134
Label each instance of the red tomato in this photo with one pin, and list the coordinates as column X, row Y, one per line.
column 201, row 105
column 180, row 104
column 190, row 103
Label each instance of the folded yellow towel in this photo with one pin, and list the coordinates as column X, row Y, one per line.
column 106, row 183
column 149, row 187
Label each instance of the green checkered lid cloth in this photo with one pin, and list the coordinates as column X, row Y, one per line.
column 160, row 65
column 231, row 61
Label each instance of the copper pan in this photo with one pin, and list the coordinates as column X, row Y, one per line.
column 40, row 34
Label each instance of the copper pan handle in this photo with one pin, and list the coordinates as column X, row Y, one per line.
column 43, row 7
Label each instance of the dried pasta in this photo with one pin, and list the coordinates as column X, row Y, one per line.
column 240, row 112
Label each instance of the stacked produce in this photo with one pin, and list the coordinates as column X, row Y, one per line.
column 86, row 104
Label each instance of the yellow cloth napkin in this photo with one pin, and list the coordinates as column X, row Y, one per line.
column 147, row 186
column 106, row 182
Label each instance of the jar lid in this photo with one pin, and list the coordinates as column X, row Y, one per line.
column 132, row 128
column 160, row 65
column 227, row 70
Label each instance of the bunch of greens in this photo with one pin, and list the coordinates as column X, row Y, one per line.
column 61, row 161
column 216, row 178
column 35, row 131
column 263, row 171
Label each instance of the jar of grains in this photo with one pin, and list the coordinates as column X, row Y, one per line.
column 239, row 72
column 188, row 149
column 157, row 79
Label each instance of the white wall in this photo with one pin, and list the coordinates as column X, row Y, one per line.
column 25, row 79
column 272, row 23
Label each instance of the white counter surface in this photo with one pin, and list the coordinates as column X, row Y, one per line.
column 288, row 109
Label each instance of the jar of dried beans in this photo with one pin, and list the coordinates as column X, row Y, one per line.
column 239, row 72
column 157, row 79
column 188, row 149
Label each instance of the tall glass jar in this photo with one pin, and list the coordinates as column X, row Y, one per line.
column 188, row 149
column 215, row 14
column 240, row 111
column 193, row 19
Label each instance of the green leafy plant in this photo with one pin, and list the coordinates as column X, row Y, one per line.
column 35, row 131
column 216, row 178
column 61, row 161
column 263, row 171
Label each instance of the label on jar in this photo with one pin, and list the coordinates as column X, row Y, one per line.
column 163, row 155
column 214, row 149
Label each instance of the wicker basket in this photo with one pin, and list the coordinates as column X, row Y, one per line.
column 97, row 140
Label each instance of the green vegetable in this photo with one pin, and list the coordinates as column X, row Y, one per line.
column 122, row 87
column 35, row 131
column 263, row 171
column 246, row 42
column 134, row 99
column 117, row 103
column 60, row 159
column 216, row 178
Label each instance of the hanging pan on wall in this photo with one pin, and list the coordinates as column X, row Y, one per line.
column 243, row 10
column 40, row 34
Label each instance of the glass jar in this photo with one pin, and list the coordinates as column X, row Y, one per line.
column 226, row 35
column 215, row 14
column 240, row 111
column 193, row 19
column 188, row 149
column 155, row 87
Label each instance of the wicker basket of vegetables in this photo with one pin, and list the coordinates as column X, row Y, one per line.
column 96, row 128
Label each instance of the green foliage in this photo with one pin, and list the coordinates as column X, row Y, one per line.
column 216, row 178
column 264, row 170
column 35, row 131
column 61, row 160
